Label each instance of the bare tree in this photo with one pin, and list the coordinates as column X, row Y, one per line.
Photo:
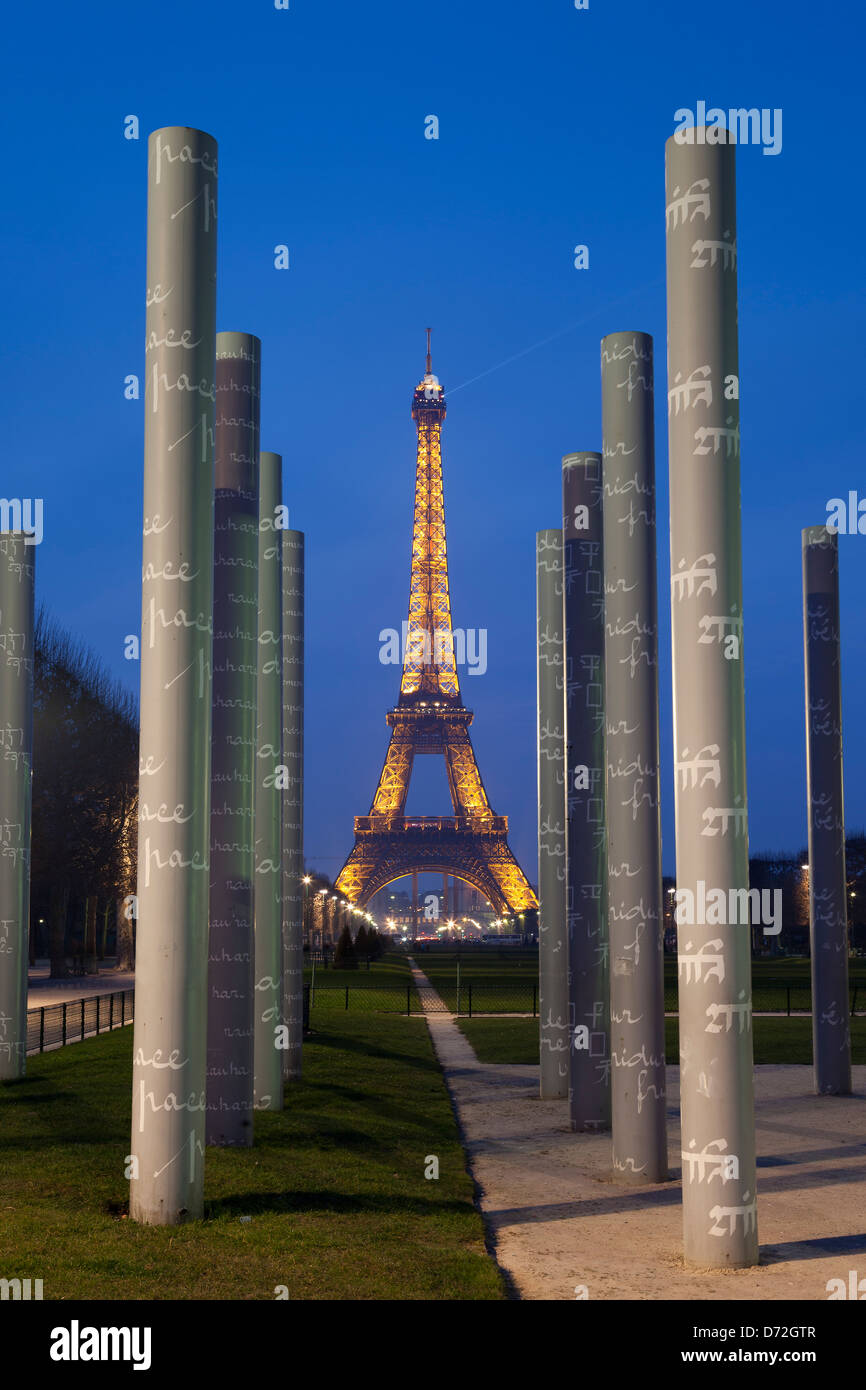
column 84, row 787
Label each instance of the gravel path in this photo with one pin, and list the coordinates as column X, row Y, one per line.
column 560, row 1226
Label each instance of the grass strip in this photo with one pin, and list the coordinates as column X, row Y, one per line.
column 776, row 1040
column 331, row 1201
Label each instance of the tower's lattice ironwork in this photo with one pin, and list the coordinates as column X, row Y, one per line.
column 430, row 717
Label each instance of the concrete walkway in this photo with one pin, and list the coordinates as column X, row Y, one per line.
column 454, row 1052
column 561, row 1228
column 43, row 991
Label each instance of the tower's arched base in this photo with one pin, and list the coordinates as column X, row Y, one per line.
column 431, row 719
column 456, row 845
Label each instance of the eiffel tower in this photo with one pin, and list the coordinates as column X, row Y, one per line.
column 430, row 717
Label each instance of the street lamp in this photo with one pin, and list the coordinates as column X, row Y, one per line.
column 306, row 881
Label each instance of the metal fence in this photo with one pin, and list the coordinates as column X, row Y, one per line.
column 418, row 999
column 768, row 997
column 480, row 997
column 474, row 998
column 386, row 999
column 55, row 1025
column 779, row 996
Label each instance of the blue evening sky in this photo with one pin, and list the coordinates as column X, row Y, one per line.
column 552, row 130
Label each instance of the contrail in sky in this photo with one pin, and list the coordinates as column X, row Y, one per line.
column 603, row 308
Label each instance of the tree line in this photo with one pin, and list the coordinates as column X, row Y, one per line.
column 85, row 805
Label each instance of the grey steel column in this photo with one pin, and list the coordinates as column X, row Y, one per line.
column 586, row 834
column 828, row 904
column 269, row 794
column 168, row 1095
column 715, row 1004
column 231, row 966
column 634, row 868
column 293, row 800
column 552, row 943
column 17, row 633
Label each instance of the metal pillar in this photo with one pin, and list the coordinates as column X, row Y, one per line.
column 168, row 1089
column 586, row 836
column 828, row 904
column 715, row 1007
column 17, row 633
column 552, row 942
column 269, row 794
column 293, row 800
column 231, row 973
column 634, row 869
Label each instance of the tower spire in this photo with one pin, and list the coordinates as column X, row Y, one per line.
column 430, row 718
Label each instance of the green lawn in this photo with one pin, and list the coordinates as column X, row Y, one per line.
column 381, row 988
column 502, row 981
column 489, row 965
column 334, row 1186
column 775, row 1039
column 503, row 978
column 392, row 969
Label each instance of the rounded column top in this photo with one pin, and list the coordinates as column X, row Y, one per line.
column 244, row 345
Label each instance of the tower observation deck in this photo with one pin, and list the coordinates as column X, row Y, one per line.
column 430, row 718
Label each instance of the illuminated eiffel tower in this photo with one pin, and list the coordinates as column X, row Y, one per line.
column 430, row 717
